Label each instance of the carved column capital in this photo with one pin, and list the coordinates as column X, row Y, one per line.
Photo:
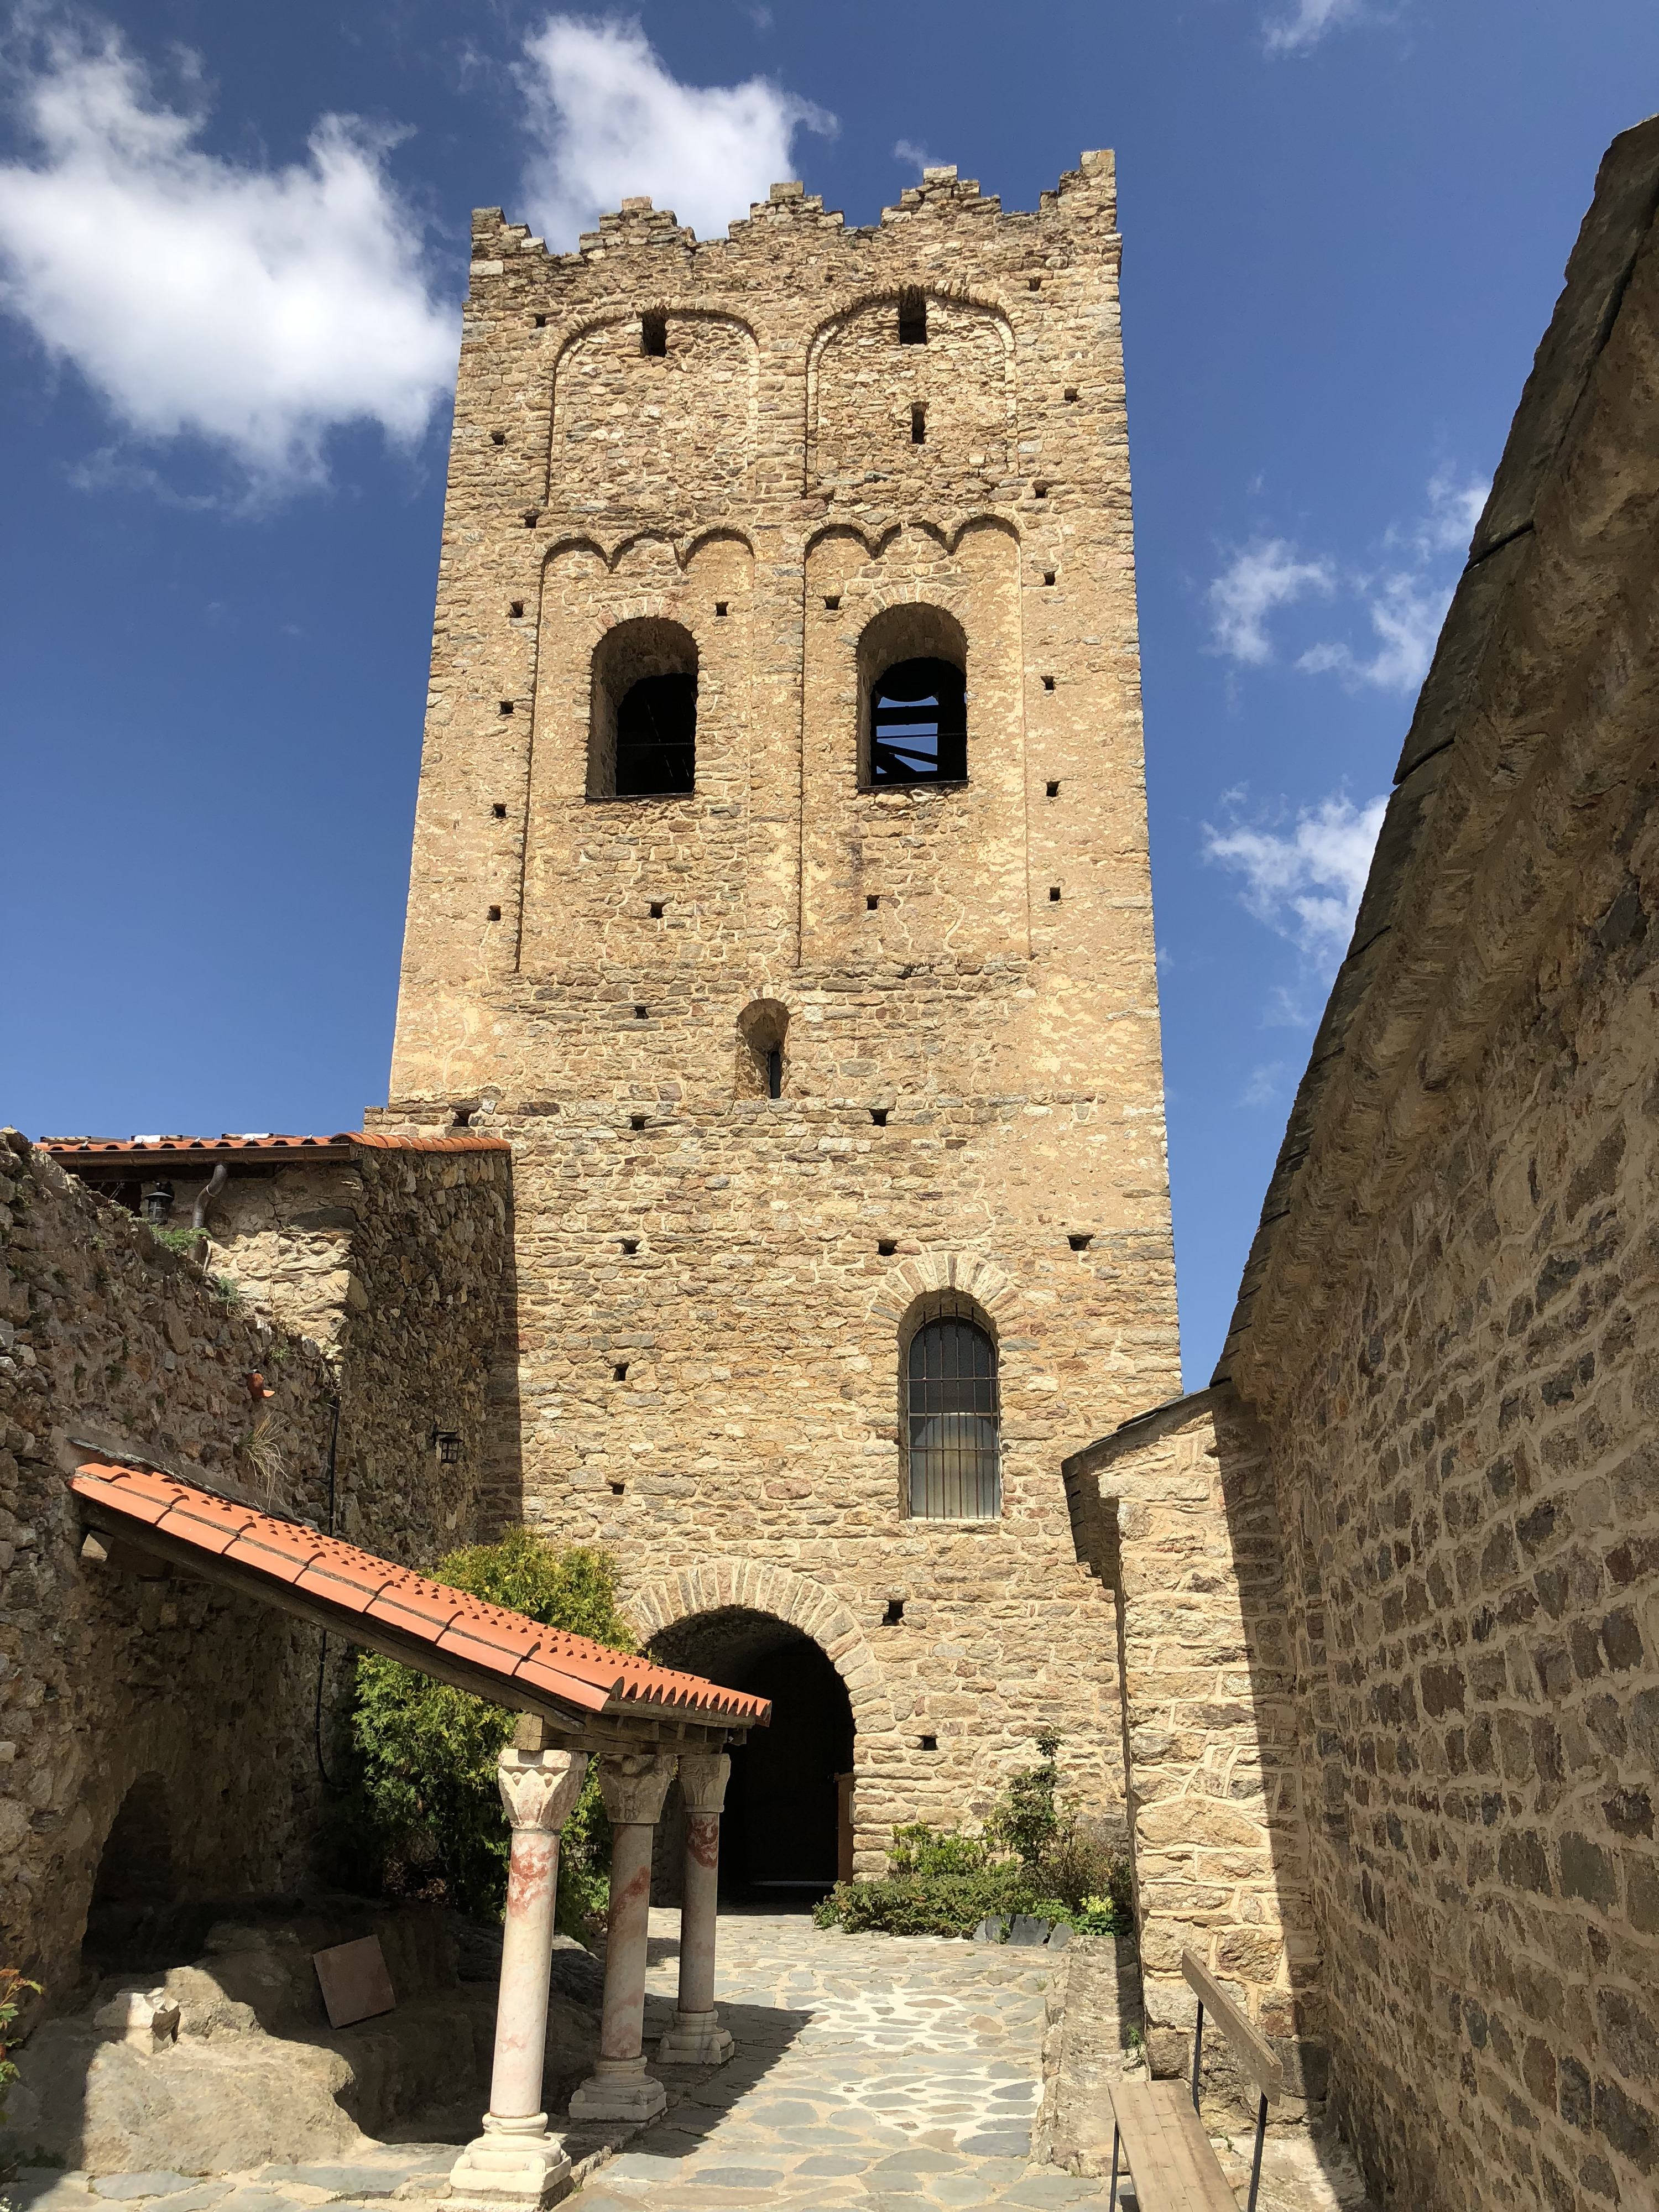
column 703, row 1777
column 633, row 1785
column 538, row 1788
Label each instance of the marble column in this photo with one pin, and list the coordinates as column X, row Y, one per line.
column 697, row 2036
column 516, row 2162
column 619, row 2088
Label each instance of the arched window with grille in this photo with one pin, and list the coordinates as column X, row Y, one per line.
column 950, row 1415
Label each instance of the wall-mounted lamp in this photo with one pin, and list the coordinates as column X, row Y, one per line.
column 158, row 1203
column 449, row 1447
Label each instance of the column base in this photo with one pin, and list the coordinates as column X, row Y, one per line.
column 619, row 2089
column 515, row 2165
column 696, row 2039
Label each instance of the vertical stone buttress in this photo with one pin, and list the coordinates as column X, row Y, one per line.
column 666, row 447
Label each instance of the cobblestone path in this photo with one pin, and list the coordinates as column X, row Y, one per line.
column 869, row 2071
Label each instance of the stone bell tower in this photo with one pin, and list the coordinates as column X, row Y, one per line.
column 780, row 889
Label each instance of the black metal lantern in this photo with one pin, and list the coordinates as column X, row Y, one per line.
column 449, row 1447
column 158, row 1203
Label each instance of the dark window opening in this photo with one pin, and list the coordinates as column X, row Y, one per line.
column 619, row 1372
column 654, row 336
column 657, row 737
column 762, row 1036
column 494, row 914
column 1080, row 1239
column 918, row 426
column 774, row 1073
column 930, row 1743
column 656, row 909
column 886, row 1246
column 832, row 601
column 499, row 812
column 1052, row 790
column 498, row 437
column 895, row 1613
column 913, row 316
column 919, row 724
column 950, row 1419
column 878, row 1115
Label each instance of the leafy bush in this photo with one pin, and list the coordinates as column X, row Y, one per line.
column 427, row 1783
column 13, row 1983
column 1032, row 1856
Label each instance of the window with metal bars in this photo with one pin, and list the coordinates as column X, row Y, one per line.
column 919, row 724
column 950, row 1417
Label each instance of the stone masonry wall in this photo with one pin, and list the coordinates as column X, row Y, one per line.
column 1178, row 1513
column 1450, row 1329
column 725, row 450
column 207, row 1700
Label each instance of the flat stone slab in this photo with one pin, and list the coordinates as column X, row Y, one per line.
column 125, row 2186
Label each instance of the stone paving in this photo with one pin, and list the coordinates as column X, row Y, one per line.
column 887, row 2074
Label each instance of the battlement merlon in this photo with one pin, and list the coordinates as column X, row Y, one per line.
column 1086, row 196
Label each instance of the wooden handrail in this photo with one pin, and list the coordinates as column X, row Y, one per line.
column 1251, row 2049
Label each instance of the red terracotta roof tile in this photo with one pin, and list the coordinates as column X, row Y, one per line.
column 500, row 1647
column 161, row 1151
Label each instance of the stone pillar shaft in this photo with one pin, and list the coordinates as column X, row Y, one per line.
column 619, row 2088
column 515, row 2165
column 697, row 2036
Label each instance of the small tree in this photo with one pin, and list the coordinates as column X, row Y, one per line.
column 428, row 1752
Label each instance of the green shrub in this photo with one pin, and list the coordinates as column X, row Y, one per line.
column 13, row 1983
column 426, row 1786
column 1032, row 1856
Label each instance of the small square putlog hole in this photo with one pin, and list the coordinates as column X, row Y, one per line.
column 630, row 1244
column 878, row 1115
column 616, row 1490
column 494, row 914
column 636, row 1121
column 1080, row 1239
column 1051, row 789
column 832, row 601
column 499, row 810
column 656, row 909
column 1054, row 894
column 886, row 1246
column 871, row 902
column 619, row 1372
column 930, row 1743
column 639, row 1013
column 895, row 1613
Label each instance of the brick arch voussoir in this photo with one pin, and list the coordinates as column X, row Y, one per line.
column 971, row 1273
column 714, row 1584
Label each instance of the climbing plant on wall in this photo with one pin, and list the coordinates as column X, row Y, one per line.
column 427, row 1752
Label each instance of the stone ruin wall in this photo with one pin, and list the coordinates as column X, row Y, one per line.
column 107, row 1680
column 576, row 967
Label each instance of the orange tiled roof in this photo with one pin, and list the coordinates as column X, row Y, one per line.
column 159, row 1151
column 505, row 1656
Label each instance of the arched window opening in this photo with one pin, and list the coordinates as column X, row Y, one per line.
column 949, row 1414
column 643, row 716
column 919, row 724
column 913, row 698
column 762, row 1032
column 913, row 316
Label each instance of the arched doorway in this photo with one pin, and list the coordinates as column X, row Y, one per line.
column 780, row 1840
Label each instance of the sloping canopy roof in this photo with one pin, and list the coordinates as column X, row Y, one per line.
column 504, row 1656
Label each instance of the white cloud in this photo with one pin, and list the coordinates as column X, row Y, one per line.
column 1265, row 1085
column 1305, row 882
column 257, row 308
column 613, row 124
column 1405, row 603
column 1264, row 574
column 1307, row 24
column 917, row 157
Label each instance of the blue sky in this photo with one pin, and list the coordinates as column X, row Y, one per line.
column 232, row 242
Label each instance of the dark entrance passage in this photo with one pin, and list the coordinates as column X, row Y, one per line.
column 780, row 1839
